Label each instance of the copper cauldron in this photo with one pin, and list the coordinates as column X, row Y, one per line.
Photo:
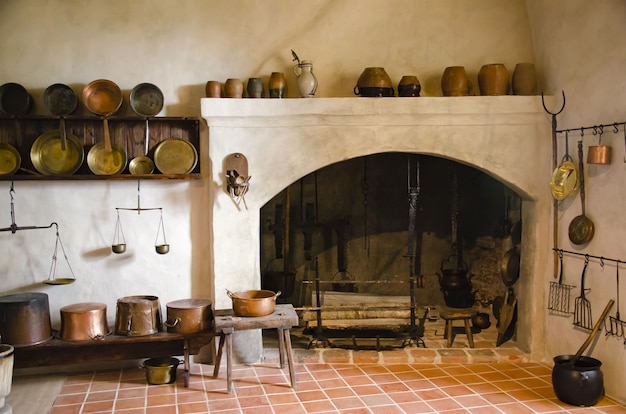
column 187, row 316
column 138, row 316
column 25, row 319
column 84, row 321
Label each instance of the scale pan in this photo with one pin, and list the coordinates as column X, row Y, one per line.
column 59, row 281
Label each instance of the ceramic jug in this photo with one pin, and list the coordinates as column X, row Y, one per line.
column 307, row 82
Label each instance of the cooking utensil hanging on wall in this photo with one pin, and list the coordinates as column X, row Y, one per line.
column 103, row 97
column 581, row 228
column 582, row 306
column 559, row 295
column 61, row 101
column 615, row 326
column 10, row 159
column 15, row 99
column 599, row 154
column 146, row 100
column 49, row 158
column 564, row 182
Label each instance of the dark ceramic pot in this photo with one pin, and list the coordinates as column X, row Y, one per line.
column 373, row 91
column 579, row 384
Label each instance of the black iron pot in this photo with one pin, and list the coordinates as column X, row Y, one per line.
column 580, row 384
column 454, row 279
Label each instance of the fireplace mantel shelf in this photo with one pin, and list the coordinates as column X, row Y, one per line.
column 473, row 110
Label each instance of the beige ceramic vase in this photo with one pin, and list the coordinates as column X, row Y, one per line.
column 454, row 82
column 493, row 79
column 524, row 80
column 233, row 88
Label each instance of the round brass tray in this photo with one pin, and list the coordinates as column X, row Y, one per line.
column 10, row 159
column 102, row 162
column 175, row 156
column 49, row 159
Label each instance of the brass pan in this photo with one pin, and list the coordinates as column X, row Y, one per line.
column 103, row 162
column 49, row 158
column 10, row 159
column 175, row 156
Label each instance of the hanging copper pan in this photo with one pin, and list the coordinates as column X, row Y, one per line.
column 103, row 97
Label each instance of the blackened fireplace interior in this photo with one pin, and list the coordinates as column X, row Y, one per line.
column 367, row 246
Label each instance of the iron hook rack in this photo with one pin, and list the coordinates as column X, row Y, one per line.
column 587, row 255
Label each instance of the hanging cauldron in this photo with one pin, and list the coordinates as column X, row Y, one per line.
column 455, row 284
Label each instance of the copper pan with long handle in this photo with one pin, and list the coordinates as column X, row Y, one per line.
column 103, row 97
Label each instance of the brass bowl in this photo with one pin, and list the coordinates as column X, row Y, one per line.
column 162, row 248
column 118, row 248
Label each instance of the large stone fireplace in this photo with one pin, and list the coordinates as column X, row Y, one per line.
column 283, row 140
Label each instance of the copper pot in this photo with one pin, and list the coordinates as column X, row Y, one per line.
column 138, row 316
column 25, row 319
column 253, row 302
column 84, row 321
column 599, row 154
column 186, row 316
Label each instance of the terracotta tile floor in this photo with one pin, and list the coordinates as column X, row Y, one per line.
column 521, row 387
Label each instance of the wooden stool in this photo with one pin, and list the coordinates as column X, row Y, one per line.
column 283, row 318
column 464, row 314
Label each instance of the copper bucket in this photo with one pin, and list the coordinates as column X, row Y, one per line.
column 138, row 316
column 25, row 319
column 84, row 321
column 187, row 316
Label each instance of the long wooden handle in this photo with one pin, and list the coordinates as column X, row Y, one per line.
column 593, row 333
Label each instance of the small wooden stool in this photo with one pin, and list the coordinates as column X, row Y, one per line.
column 464, row 314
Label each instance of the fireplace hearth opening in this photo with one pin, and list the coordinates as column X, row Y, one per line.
column 365, row 247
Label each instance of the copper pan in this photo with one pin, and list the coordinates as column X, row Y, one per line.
column 138, row 316
column 103, row 97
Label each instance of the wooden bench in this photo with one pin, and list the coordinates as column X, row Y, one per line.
column 112, row 348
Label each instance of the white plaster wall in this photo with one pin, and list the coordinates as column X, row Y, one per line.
column 581, row 49
column 179, row 46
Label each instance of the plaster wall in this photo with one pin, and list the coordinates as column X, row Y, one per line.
column 577, row 46
column 179, row 47
column 581, row 51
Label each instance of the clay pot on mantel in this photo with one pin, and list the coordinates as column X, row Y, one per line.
column 454, row 82
column 493, row 79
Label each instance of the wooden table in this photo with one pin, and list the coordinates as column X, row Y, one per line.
column 112, row 348
column 283, row 319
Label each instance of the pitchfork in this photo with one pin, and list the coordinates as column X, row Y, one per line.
column 582, row 307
